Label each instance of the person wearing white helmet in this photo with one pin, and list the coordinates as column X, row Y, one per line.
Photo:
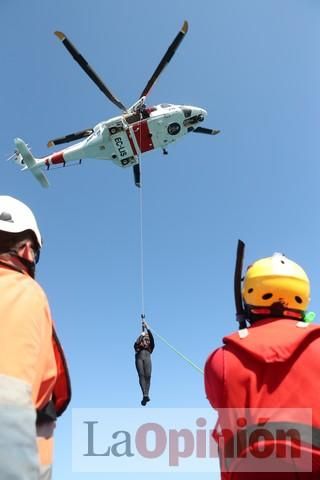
column 34, row 380
column 19, row 232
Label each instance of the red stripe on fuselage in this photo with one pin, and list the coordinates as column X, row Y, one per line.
column 57, row 158
column 143, row 136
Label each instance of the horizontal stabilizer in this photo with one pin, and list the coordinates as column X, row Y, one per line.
column 71, row 137
column 30, row 162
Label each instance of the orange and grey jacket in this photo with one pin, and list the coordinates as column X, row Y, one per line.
column 33, row 376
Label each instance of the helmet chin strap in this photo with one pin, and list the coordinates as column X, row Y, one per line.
column 29, row 264
column 276, row 310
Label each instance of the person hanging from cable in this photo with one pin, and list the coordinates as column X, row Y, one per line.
column 144, row 346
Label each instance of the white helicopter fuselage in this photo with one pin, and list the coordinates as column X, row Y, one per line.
column 123, row 138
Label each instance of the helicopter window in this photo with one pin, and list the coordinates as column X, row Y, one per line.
column 151, row 109
column 132, row 117
column 190, row 121
column 165, row 105
column 187, row 112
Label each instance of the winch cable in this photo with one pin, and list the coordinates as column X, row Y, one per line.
column 141, row 224
column 184, row 357
column 141, row 241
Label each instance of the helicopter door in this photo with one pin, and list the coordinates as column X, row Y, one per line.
column 143, row 135
column 123, row 153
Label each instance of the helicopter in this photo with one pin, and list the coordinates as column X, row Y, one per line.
column 121, row 139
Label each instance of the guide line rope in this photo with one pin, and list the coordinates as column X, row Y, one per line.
column 176, row 351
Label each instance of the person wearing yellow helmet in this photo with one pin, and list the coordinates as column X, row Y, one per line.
column 260, row 382
column 275, row 286
column 34, row 380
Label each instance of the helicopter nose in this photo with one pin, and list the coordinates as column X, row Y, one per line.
column 193, row 116
column 201, row 114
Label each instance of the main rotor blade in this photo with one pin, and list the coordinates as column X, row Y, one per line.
column 89, row 71
column 71, row 137
column 166, row 59
column 208, row 131
column 136, row 174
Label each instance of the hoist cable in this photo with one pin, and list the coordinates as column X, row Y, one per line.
column 141, row 243
column 141, row 225
column 184, row 357
column 176, row 351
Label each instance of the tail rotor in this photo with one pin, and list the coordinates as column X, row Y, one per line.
column 27, row 161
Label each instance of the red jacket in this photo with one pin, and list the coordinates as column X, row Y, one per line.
column 272, row 375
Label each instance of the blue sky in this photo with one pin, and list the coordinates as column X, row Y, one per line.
column 254, row 66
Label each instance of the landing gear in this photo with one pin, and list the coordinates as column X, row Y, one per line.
column 165, row 151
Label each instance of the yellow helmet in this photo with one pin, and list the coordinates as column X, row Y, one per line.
column 276, row 279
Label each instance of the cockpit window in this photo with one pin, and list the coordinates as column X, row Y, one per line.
column 187, row 112
column 151, row 109
column 164, row 105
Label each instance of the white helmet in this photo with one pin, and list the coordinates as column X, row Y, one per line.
column 16, row 217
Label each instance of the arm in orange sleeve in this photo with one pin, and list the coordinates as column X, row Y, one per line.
column 214, row 378
column 24, row 341
column 26, row 333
